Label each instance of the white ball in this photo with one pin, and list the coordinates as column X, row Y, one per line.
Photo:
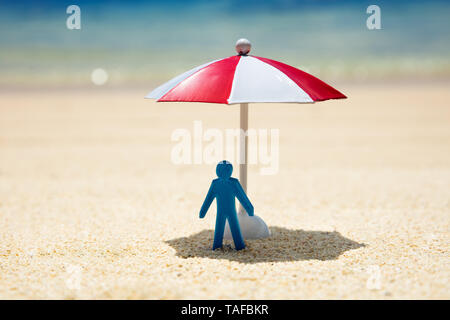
column 251, row 227
column 243, row 46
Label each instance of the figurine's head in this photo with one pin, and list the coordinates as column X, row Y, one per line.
column 224, row 169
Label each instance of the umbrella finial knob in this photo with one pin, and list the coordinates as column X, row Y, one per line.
column 243, row 47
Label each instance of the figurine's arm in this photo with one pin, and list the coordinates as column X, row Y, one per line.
column 208, row 200
column 243, row 199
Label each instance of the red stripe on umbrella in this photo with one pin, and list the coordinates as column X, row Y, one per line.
column 210, row 84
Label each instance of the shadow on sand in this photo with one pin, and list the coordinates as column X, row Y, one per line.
column 283, row 245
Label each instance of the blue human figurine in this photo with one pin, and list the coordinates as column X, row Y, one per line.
column 225, row 189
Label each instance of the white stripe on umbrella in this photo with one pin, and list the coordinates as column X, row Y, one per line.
column 257, row 81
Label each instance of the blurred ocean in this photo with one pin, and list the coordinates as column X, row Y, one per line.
column 144, row 43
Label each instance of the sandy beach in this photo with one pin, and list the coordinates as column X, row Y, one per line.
column 91, row 206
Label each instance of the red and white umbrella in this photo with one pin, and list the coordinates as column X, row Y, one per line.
column 242, row 79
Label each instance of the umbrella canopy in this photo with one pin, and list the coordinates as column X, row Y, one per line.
column 245, row 79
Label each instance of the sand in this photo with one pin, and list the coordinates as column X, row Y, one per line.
column 91, row 207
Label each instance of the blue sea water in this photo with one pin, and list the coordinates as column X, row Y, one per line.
column 141, row 42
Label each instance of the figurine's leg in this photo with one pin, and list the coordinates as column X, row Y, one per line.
column 236, row 232
column 218, row 233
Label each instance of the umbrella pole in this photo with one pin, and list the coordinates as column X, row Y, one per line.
column 243, row 150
